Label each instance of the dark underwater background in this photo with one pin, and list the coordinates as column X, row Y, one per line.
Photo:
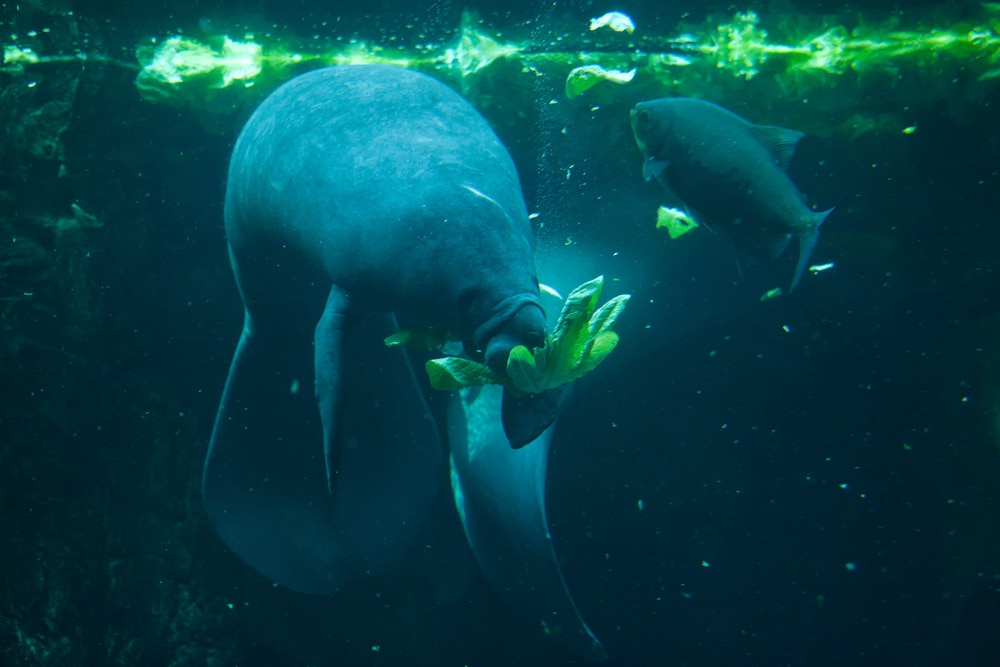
column 809, row 480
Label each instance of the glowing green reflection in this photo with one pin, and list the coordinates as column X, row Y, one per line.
column 799, row 55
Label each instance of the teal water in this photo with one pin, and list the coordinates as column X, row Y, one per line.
column 808, row 480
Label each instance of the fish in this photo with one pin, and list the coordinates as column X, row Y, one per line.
column 731, row 175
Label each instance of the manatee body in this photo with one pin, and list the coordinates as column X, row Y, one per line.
column 388, row 187
column 730, row 172
column 356, row 194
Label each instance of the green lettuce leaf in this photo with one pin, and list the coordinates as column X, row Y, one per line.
column 453, row 373
column 580, row 341
column 584, row 78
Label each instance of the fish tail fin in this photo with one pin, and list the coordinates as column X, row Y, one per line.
column 807, row 242
column 820, row 216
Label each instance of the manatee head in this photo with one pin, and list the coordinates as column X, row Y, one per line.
column 526, row 327
column 516, row 320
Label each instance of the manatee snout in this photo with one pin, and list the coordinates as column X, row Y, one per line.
column 524, row 418
column 526, row 327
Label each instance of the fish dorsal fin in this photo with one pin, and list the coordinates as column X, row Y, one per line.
column 780, row 141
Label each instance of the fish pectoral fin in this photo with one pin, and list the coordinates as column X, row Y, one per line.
column 710, row 225
column 654, row 167
column 781, row 142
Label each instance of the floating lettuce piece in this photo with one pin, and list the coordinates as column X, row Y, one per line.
column 771, row 294
column 213, row 77
column 615, row 20
column 677, row 222
column 580, row 341
column 586, row 77
column 453, row 373
column 178, row 60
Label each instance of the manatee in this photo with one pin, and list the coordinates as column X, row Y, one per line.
column 360, row 197
column 730, row 173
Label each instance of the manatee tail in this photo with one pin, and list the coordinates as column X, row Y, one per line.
column 808, row 238
column 500, row 496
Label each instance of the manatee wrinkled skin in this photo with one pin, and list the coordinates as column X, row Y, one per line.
column 388, row 185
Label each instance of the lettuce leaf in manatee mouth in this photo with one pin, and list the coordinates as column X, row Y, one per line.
column 581, row 340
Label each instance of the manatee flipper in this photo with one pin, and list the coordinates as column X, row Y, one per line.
column 265, row 483
column 500, row 496
column 390, row 456
column 524, row 418
column 329, row 372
